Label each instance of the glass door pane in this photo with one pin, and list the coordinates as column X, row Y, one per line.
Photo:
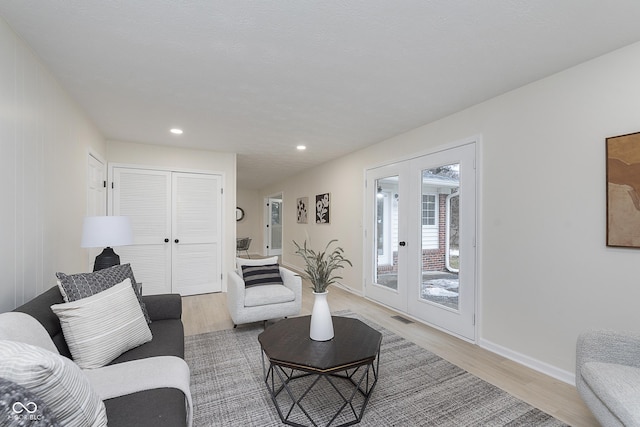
column 386, row 260
column 274, row 226
column 439, row 226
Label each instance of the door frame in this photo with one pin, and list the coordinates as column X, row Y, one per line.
column 91, row 210
column 368, row 235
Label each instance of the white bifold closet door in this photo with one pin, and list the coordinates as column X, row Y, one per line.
column 176, row 220
column 196, row 225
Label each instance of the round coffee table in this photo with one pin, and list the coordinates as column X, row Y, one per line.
column 320, row 381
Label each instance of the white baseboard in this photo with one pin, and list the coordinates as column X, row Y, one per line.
column 530, row 362
column 348, row 289
column 291, row 267
column 537, row 365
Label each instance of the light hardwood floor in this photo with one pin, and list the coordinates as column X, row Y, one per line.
column 206, row 313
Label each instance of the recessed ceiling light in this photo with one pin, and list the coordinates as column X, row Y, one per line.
column 301, row 147
column 176, row 131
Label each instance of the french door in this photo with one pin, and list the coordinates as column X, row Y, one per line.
column 421, row 238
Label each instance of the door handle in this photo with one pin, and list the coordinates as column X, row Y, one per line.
column 403, row 243
column 177, row 241
column 166, row 240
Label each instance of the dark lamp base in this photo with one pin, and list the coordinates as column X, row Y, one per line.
column 108, row 258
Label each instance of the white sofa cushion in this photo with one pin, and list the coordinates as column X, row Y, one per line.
column 267, row 294
column 101, row 327
column 56, row 380
column 143, row 374
column 617, row 386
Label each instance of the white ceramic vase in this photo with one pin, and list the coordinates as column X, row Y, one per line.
column 321, row 323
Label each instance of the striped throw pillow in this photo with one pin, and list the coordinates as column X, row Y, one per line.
column 101, row 327
column 81, row 285
column 55, row 380
column 256, row 275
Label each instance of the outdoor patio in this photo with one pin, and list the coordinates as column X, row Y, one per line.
column 440, row 287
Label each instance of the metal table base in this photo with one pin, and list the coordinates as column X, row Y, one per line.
column 362, row 379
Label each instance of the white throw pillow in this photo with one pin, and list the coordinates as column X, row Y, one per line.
column 101, row 327
column 56, row 380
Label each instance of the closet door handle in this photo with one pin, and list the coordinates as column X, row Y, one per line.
column 166, row 240
column 177, row 241
column 403, row 243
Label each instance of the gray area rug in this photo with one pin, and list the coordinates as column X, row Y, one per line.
column 415, row 387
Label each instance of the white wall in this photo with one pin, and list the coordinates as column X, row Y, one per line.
column 545, row 272
column 184, row 159
column 44, row 145
column 251, row 225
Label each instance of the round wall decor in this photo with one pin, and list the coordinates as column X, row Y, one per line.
column 239, row 214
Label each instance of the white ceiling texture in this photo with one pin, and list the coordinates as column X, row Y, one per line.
column 258, row 77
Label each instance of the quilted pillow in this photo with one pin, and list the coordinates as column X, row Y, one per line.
column 256, row 275
column 56, row 380
column 101, row 327
column 19, row 407
column 77, row 286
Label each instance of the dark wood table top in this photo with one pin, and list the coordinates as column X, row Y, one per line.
column 287, row 343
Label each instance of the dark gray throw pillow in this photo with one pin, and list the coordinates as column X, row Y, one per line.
column 74, row 287
column 20, row 407
column 256, row 275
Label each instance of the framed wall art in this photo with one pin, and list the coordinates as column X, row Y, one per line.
column 323, row 209
column 302, row 206
column 623, row 190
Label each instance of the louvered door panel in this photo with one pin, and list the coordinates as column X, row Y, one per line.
column 150, row 267
column 197, row 207
column 196, row 225
column 145, row 197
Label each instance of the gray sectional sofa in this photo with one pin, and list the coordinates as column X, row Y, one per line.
column 154, row 407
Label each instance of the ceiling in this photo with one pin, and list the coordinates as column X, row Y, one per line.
column 259, row 77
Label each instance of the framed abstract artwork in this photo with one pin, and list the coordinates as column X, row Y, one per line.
column 302, row 206
column 323, row 209
column 623, row 191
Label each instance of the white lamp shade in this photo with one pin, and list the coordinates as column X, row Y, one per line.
column 103, row 231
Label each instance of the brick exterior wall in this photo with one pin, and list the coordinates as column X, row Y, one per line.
column 432, row 259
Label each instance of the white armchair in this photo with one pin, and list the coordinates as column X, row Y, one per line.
column 264, row 302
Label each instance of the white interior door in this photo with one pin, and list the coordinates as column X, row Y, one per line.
column 274, row 226
column 197, row 231
column 421, row 238
column 145, row 197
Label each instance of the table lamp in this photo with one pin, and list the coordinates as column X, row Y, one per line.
column 106, row 231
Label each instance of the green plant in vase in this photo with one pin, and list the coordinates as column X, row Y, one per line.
column 320, row 266
column 320, row 269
